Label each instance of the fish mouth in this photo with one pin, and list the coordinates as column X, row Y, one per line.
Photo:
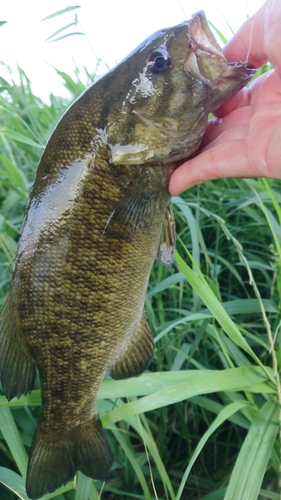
column 206, row 61
column 233, row 66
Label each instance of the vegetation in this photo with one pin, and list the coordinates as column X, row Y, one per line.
column 204, row 421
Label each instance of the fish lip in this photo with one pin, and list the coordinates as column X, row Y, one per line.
column 250, row 69
column 201, row 36
column 237, row 69
column 201, row 40
column 232, row 79
column 195, row 46
column 195, row 37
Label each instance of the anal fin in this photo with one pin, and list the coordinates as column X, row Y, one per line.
column 17, row 368
column 137, row 354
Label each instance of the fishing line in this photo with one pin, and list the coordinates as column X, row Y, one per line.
column 251, row 37
column 182, row 9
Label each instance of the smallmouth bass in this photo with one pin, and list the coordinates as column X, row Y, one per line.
column 97, row 217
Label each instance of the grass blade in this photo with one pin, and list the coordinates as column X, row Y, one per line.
column 250, row 467
column 59, row 12
column 67, row 35
column 13, row 482
column 208, row 297
column 83, row 486
column 232, row 379
column 18, row 136
column 13, row 439
column 225, row 414
column 60, row 31
column 133, row 461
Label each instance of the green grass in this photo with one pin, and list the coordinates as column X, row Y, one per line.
column 204, row 422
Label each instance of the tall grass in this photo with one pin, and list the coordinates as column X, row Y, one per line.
column 204, row 421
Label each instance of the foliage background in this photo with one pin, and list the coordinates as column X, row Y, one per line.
column 204, row 421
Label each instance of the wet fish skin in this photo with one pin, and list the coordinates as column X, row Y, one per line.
column 91, row 232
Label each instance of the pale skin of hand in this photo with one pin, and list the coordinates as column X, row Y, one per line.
column 245, row 139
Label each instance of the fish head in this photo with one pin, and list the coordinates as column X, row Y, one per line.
column 166, row 88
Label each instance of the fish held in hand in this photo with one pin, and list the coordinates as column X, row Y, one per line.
column 97, row 217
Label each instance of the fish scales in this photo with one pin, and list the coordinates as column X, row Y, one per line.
column 97, row 217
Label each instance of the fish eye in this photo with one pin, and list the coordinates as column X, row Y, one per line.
column 159, row 61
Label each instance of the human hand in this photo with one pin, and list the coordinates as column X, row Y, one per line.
column 245, row 139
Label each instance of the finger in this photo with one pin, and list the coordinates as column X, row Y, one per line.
column 233, row 126
column 248, row 42
column 259, row 39
column 263, row 90
column 243, row 98
column 224, row 160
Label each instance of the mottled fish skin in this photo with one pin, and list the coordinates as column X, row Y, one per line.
column 97, row 214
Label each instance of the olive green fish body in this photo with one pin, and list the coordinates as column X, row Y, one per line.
column 97, row 217
column 75, row 307
column 75, row 294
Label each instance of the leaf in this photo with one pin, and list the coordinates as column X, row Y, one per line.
column 65, row 36
column 222, row 37
column 151, row 383
column 59, row 31
column 270, row 494
column 225, row 414
column 12, row 437
column 273, row 199
column 251, row 464
column 8, row 246
column 75, row 88
column 166, row 283
column 150, row 445
column 59, row 12
column 216, row 308
column 2, row 23
column 83, row 486
column 14, row 173
column 192, row 225
column 13, row 482
column 20, row 137
column 133, row 460
column 12, row 187
column 270, row 221
column 232, row 379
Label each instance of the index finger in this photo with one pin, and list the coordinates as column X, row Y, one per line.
column 259, row 39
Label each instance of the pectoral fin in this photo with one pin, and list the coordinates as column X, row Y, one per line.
column 135, row 210
column 166, row 247
column 137, row 354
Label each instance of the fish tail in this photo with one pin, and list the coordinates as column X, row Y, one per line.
column 92, row 453
column 55, row 457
